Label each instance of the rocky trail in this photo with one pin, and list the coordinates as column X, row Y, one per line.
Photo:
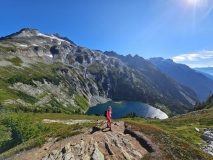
column 97, row 143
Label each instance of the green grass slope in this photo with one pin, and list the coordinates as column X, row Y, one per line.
column 39, row 72
column 176, row 136
column 22, row 131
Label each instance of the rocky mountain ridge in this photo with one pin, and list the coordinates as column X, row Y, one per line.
column 91, row 74
column 159, row 80
column 201, row 84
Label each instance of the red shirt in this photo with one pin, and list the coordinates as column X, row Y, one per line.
column 109, row 113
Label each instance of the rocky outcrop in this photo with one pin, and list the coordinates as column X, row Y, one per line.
column 208, row 137
column 100, row 145
column 45, row 91
column 79, row 151
column 208, row 148
column 70, row 122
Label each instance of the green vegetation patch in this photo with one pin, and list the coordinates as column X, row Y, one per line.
column 183, row 126
column 27, row 131
column 37, row 142
column 27, row 98
column 62, row 131
column 29, row 80
column 163, row 108
column 176, row 136
column 21, row 79
column 16, row 61
column 5, row 92
column 63, row 116
column 7, row 49
column 81, row 102
column 203, row 105
column 21, row 128
column 170, row 145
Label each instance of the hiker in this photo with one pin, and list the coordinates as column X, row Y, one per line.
column 108, row 117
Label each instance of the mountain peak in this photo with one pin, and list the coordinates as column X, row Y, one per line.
column 111, row 53
column 29, row 33
column 25, row 32
column 28, row 30
column 160, row 60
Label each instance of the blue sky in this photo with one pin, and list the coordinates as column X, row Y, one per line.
column 181, row 30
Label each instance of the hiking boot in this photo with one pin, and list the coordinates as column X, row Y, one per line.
column 110, row 129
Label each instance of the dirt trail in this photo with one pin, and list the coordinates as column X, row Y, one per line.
column 98, row 143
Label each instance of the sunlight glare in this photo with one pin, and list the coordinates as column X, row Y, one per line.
column 197, row 3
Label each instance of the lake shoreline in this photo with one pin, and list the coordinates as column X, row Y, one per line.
column 121, row 108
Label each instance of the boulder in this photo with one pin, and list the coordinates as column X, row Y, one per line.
column 208, row 135
column 197, row 129
column 97, row 155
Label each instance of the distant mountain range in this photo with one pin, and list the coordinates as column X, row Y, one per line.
column 204, row 73
column 160, row 81
column 208, row 70
column 49, row 72
column 200, row 83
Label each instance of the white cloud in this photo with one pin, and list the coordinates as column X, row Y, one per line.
column 194, row 56
column 199, row 65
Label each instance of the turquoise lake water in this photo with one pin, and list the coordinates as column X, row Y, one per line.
column 122, row 108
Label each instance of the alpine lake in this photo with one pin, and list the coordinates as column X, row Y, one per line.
column 121, row 108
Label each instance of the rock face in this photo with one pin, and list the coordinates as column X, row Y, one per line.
column 208, row 137
column 208, row 148
column 92, row 74
column 101, row 145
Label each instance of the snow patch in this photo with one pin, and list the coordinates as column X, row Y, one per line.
column 23, row 45
column 53, row 37
column 35, row 45
column 50, row 55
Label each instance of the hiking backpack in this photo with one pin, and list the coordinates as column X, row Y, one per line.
column 105, row 113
